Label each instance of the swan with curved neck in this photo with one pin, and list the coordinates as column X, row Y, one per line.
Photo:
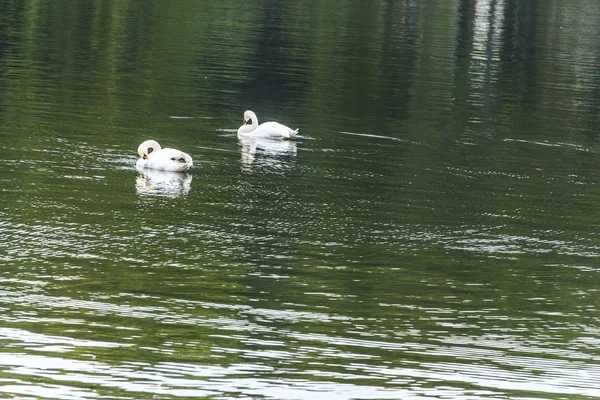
column 154, row 157
column 271, row 130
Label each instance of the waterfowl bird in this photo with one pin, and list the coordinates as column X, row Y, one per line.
column 154, row 157
column 271, row 130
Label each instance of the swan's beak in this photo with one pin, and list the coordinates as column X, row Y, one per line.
column 145, row 157
column 243, row 122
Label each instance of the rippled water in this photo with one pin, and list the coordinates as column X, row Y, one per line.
column 432, row 233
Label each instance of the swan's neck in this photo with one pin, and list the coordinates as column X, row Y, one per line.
column 247, row 128
column 254, row 123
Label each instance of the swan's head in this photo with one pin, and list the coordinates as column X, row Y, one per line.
column 250, row 117
column 148, row 147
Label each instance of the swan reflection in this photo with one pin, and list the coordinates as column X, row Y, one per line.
column 266, row 151
column 152, row 182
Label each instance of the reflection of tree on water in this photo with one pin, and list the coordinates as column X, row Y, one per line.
column 266, row 152
column 152, row 182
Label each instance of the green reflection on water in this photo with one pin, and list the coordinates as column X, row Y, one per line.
column 439, row 208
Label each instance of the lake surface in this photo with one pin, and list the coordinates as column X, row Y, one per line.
column 432, row 232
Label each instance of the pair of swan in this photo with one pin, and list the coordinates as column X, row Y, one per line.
column 154, row 157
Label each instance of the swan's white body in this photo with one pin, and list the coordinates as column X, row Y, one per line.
column 154, row 157
column 270, row 130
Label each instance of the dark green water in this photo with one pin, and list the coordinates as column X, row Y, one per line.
column 433, row 233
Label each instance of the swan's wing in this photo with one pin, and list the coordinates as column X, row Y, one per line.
column 175, row 155
column 169, row 160
column 275, row 130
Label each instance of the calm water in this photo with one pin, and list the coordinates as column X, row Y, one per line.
column 432, row 233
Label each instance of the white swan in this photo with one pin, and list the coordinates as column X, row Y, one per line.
column 271, row 130
column 154, row 157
